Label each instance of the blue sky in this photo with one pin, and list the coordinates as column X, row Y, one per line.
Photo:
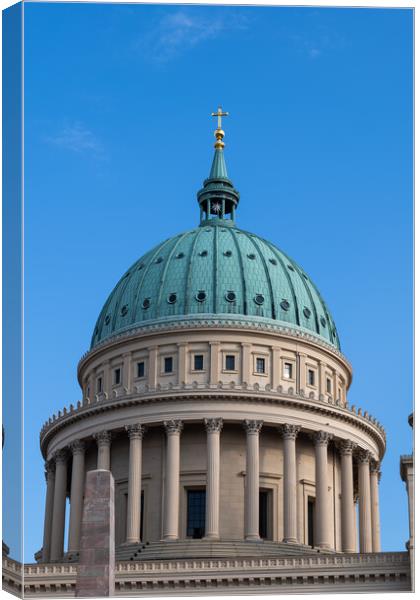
column 319, row 143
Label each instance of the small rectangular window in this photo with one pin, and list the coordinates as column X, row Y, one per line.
column 260, row 365
column 287, row 370
column 117, row 376
column 230, row 362
column 99, row 385
column 198, row 362
column 140, row 369
column 339, row 393
column 329, row 387
column 88, row 391
column 168, row 368
column 311, row 377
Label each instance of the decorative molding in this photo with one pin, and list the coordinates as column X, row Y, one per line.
column 173, row 426
column 289, row 432
column 103, row 438
column 61, row 456
column 322, row 438
column 136, row 431
column 213, row 425
column 345, row 447
column 77, row 447
column 150, row 396
column 363, row 457
column 252, row 426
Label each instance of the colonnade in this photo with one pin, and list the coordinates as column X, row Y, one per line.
column 368, row 478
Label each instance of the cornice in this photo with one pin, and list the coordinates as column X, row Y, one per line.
column 220, row 392
column 236, row 322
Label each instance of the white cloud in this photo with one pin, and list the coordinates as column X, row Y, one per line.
column 76, row 138
column 178, row 32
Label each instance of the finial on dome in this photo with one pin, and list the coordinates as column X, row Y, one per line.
column 219, row 134
column 218, row 198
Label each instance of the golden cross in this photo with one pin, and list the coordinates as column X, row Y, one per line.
column 219, row 114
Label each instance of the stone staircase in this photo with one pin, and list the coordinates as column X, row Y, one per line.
column 190, row 549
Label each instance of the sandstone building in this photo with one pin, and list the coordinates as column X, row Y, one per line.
column 215, row 391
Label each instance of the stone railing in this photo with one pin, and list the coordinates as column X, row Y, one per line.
column 346, row 572
column 86, row 405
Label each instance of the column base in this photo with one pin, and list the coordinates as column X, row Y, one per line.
column 130, row 542
column 253, row 538
column 289, row 541
column 323, row 546
column 170, row 538
column 211, row 537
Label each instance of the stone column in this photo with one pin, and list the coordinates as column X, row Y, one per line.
column 214, row 362
column 301, row 379
column 375, row 475
column 289, row 434
column 96, row 568
column 213, row 428
column 246, row 362
column 153, row 366
column 365, row 509
column 59, row 509
column 182, row 362
column 348, row 524
column 103, row 439
column 252, row 482
column 76, row 494
column 135, row 433
column 171, row 499
column 276, row 375
column 106, row 385
column 322, row 508
column 322, row 380
column 49, row 503
column 127, row 372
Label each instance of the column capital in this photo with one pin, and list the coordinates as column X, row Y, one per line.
column 61, row 456
column 173, row 426
column 252, row 426
column 213, row 425
column 77, row 447
column 375, row 467
column 345, row 447
column 136, row 431
column 363, row 457
column 103, row 438
column 321, row 438
column 289, row 432
column 49, row 469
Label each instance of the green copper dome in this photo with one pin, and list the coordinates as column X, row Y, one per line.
column 215, row 270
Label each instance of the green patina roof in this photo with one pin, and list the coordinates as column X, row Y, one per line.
column 215, row 269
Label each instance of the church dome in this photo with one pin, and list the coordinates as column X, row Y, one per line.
column 215, row 271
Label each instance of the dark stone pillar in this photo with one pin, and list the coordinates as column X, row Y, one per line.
column 95, row 573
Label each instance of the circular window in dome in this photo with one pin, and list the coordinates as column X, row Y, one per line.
column 127, row 275
column 203, row 253
column 158, row 260
column 306, row 312
column 333, row 334
column 230, row 296
column 124, row 310
column 180, row 255
column 285, row 304
column 273, row 261
column 251, row 256
column 290, row 267
column 305, row 276
column 107, row 319
column 201, row 295
column 172, row 298
column 146, row 303
column 140, row 267
column 259, row 299
column 323, row 321
column 227, row 253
